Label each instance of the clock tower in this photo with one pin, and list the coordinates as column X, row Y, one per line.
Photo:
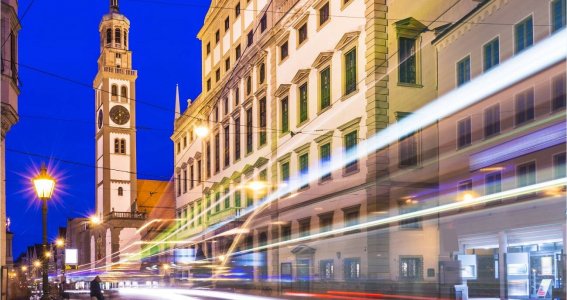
column 115, row 94
column 115, row 137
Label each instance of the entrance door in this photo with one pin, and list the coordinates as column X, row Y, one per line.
column 303, row 275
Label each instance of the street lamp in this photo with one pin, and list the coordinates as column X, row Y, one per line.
column 44, row 186
column 60, row 243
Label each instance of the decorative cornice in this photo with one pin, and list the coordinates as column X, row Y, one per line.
column 302, row 148
column 300, row 76
column 322, row 59
column 324, row 137
column 282, row 89
column 347, row 39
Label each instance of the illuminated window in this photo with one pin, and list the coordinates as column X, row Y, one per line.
column 351, row 268
column 411, row 268
column 327, row 269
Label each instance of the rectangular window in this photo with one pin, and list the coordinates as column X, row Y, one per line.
column 326, row 222
column 325, row 86
column 351, row 142
column 351, row 217
column 465, row 186
column 303, row 103
column 557, row 15
column 304, row 227
column 558, row 92
column 237, row 10
column 208, row 48
column 217, row 37
column 199, row 212
column 409, row 150
column 227, row 64
column 559, row 166
column 192, row 177
column 304, row 170
column 237, row 138
column 226, row 198
column 352, row 268
column 464, row 71
column 217, row 75
column 217, row 201
column 492, row 121
column 350, row 71
column 216, row 113
column 226, row 24
column 237, row 195
column 326, row 269
column 411, row 268
column 491, row 54
column 178, row 184
column 285, row 115
column 325, row 159
column 524, row 33
column 226, row 145
column 526, row 174
column 250, row 38
column 285, row 171
column 263, row 23
column 524, row 106
column 464, row 132
column 407, row 61
column 208, row 84
column 286, row 232
column 284, row 51
column 408, row 206
column 249, row 133
column 302, row 34
column 263, row 121
column 225, row 105
column 184, row 181
column 236, row 96
column 237, row 52
column 249, row 198
column 248, row 85
column 493, row 182
column 217, row 153
column 199, row 168
column 209, row 159
column 324, row 14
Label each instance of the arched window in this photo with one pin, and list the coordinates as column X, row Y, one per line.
column 114, row 90
column 120, row 191
column 124, row 93
column 123, row 146
column 116, row 146
column 125, row 38
column 117, row 39
column 108, row 36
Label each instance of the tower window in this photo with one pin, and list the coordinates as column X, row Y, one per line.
column 120, row 191
column 120, row 146
column 124, row 92
column 125, row 39
column 114, row 90
column 117, row 38
column 217, row 37
column 109, row 36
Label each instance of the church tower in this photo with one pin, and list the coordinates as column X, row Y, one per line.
column 115, row 94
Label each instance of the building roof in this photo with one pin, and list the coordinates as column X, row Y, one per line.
column 453, row 26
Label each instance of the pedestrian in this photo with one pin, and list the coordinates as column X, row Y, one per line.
column 96, row 292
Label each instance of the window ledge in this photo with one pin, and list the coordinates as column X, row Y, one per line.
column 320, row 26
column 302, row 123
column 282, row 134
column 412, row 85
column 344, row 97
column 351, row 172
column 321, row 111
column 326, row 180
column 263, row 145
column 459, row 148
column 282, row 60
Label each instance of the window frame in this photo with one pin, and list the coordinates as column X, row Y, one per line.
column 495, row 124
column 324, row 68
column 526, row 115
column 496, row 41
column 466, row 76
column 469, row 133
column 552, row 15
column 300, row 119
column 420, row 266
column 302, row 33
column 347, row 91
column 561, row 79
column 522, row 22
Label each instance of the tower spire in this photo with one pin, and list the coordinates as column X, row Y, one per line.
column 114, row 5
column 177, row 108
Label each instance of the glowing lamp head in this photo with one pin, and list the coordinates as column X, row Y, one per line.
column 37, row 263
column 24, row 268
column 202, row 131
column 95, row 220
column 257, row 186
column 60, row 242
column 47, row 254
column 44, row 184
column 165, row 266
column 467, row 197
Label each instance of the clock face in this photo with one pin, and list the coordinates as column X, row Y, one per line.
column 100, row 119
column 119, row 115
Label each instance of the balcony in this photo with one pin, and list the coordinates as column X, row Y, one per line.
column 125, row 215
column 222, row 215
column 120, row 71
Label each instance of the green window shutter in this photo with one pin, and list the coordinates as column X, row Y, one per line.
column 285, row 114
column 285, row 171
column 325, row 88
column 237, row 199
column 350, row 69
column 303, row 103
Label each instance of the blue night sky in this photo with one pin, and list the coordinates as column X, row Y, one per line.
column 59, row 48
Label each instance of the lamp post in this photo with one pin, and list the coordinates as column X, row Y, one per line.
column 44, row 186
